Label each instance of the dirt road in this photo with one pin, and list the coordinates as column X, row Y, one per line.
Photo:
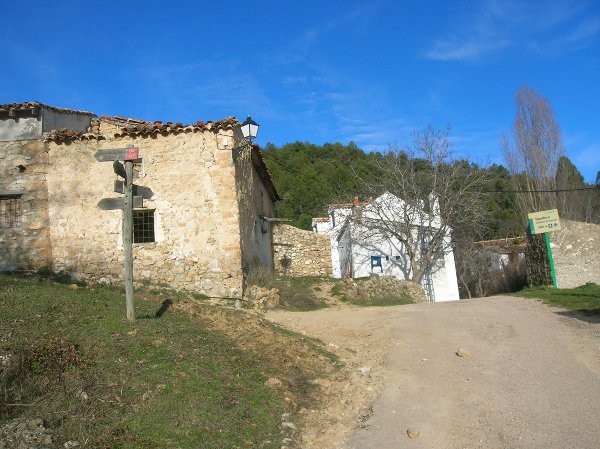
column 529, row 377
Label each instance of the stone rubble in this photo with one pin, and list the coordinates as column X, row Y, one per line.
column 378, row 287
column 262, row 297
column 26, row 433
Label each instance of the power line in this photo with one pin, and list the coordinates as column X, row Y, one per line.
column 543, row 191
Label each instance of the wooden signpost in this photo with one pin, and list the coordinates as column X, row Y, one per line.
column 129, row 155
column 545, row 222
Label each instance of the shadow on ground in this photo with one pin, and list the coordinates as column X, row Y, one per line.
column 589, row 316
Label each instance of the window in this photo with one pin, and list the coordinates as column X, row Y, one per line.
column 376, row 263
column 10, row 212
column 143, row 226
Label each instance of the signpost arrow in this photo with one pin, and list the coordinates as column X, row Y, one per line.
column 145, row 192
column 119, row 203
column 117, row 154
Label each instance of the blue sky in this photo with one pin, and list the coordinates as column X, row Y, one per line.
column 371, row 72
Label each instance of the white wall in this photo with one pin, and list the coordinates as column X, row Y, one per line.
column 22, row 128
column 395, row 263
column 337, row 219
column 31, row 128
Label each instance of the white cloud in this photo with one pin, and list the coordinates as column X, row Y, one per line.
column 457, row 50
column 499, row 25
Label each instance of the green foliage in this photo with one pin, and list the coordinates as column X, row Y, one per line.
column 538, row 266
column 309, row 177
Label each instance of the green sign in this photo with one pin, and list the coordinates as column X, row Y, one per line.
column 544, row 221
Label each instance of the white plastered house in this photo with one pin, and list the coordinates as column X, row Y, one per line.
column 359, row 251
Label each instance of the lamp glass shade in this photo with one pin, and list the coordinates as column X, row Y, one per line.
column 249, row 128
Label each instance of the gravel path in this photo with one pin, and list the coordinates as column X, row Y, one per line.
column 530, row 379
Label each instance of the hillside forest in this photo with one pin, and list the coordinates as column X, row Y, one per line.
column 309, row 177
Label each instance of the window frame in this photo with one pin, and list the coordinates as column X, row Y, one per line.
column 11, row 217
column 147, row 235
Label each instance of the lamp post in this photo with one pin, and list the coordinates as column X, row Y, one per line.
column 249, row 129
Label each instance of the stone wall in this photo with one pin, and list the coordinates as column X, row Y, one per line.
column 576, row 253
column 22, row 176
column 301, row 253
column 254, row 206
column 196, row 214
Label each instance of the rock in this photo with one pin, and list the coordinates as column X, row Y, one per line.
column 322, row 383
column 33, row 424
column 364, row 370
column 462, row 352
column 262, row 297
column 288, row 425
column 413, row 433
column 274, row 383
column 82, row 395
column 104, row 281
column 71, row 444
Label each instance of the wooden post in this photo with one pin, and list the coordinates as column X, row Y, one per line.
column 128, row 239
column 128, row 154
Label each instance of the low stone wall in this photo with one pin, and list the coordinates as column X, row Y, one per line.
column 300, row 253
column 576, row 253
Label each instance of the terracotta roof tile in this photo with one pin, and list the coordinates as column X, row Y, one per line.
column 32, row 106
column 141, row 128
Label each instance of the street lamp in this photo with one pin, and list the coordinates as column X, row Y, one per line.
column 249, row 129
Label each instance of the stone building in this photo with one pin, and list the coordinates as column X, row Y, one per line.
column 24, row 225
column 207, row 201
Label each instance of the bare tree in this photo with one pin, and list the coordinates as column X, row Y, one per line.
column 534, row 152
column 432, row 197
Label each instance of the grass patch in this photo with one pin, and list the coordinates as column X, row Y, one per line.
column 585, row 298
column 358, row 294
column 383, row 302
column 161, row 382
column 295, row 293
